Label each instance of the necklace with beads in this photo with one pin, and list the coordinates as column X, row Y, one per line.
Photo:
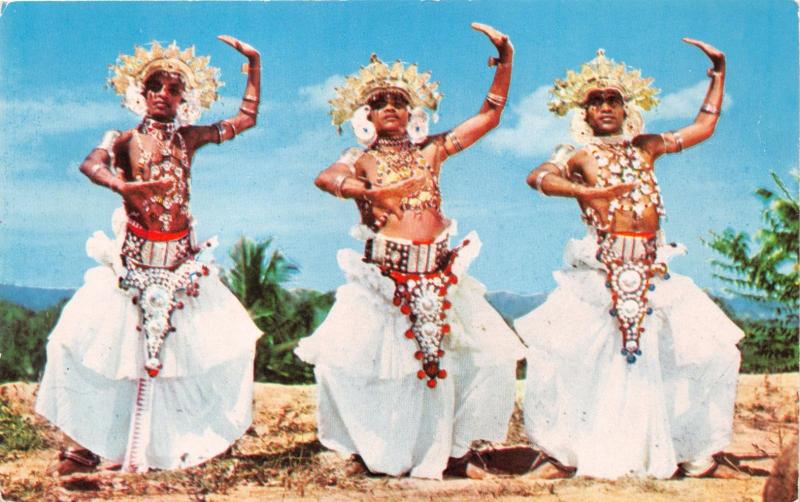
column 166, row 137
column 397, row 160
column 620, row 162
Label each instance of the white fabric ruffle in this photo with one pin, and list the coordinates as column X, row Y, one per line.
column 95, row 355
column 589, row 408
column 364, row 333
column 370, row 401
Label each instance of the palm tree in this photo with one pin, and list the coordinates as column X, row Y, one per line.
column 284, row 316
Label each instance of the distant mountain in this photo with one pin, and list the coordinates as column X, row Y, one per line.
column 34, row 298
column 513, row 305
column 749, row 309
column 510, row 305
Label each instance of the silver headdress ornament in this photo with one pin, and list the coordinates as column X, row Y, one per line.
column 377, row 76
column 201, row 80
column 603, row 73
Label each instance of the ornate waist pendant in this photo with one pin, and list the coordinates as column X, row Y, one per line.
column 628, row 277
column 156, row 294
column 423, row 299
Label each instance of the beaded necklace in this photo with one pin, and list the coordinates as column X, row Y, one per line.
column 166, row 138
column 395, row 164
column 621, row 162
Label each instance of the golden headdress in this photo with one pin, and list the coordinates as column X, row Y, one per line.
column 602, row 73
column 201, row 80
column 378, row 75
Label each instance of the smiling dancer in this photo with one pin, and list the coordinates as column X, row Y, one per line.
column 151, row 362
column 631, row 370
column 412, row 363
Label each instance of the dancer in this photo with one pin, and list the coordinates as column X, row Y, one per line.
column 631, row 369
column 412, row 364
column 151, row 362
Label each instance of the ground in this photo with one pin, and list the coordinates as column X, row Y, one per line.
column 280, row 458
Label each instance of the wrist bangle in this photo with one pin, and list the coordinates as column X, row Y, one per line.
column 250, row 97
column 250, row 113
column 537, row 183
column 709, row 108
column 496, row 99
column 714, row 73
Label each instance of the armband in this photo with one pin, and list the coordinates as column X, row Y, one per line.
column 107, row 143
column 349, row 158
column 453, row 138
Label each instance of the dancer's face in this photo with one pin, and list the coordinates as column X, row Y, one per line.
column 605, row 112
column 389, row 113
column 163, row 93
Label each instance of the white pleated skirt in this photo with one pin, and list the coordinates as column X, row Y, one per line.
column 589, row 408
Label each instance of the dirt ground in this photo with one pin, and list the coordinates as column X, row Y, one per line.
column 280, row 459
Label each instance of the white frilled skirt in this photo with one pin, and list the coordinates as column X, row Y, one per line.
column 370, row 399
column 589, row 408
column 201, row 399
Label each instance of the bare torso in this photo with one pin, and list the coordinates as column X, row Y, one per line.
column 422, row 218
column 606, row 165
column 149, row 157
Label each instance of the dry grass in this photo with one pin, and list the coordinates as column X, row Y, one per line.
column 280, row 458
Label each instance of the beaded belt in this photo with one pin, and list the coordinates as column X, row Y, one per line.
column 151, row 248
column 629, row 259
column 407, row 256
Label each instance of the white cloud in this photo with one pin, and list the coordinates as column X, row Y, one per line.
column 317, row 96
column 684, row 104
column 30, row 118
column 535, row 131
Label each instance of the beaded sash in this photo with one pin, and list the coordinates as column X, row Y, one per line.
column 421, row 295
column 157, row 271
column 629, row 259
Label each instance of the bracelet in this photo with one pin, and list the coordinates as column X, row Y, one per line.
column 496, row 99
column 338, row 184
column 713, row 73
column 709, row 108
column 250, row 113
column 250, row 97
column 246, row 68
column 453, row 137
column 232, row 126
column 537, row 183
column 495, row 61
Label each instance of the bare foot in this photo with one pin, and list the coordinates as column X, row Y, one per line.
column 472, row 471
column 75, row 461
column 546, row 467
column 725, row 471
column 354, row 467
column 549, row 471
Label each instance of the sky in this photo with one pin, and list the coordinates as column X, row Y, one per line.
column 55, row 107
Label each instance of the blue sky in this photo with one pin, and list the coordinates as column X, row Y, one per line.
column 54, row 107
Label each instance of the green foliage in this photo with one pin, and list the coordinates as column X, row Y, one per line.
column 257, row 279
column 23, row 336
column 17, row 433
column 765, row 269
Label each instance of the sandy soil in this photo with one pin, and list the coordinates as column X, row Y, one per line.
column 279, row 458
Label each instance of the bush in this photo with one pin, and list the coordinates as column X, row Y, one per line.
column 23, row 337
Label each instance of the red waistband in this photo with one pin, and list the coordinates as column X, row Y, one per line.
column 157, row 235
column 646, row 235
